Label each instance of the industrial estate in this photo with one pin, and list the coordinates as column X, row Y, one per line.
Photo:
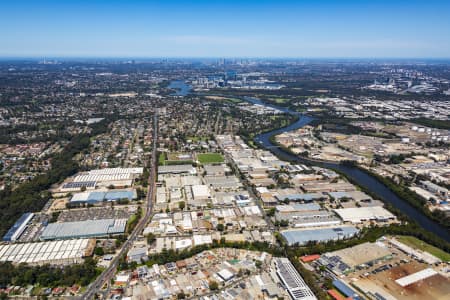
column 185, row 187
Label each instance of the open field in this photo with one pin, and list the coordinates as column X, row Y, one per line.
column 59, row 204
column 418, row 244
column 210, row 158
column 280, row 100
column 225, row 99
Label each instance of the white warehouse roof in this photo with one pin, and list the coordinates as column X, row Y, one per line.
column 410, row 279
column 44, row 252
column 200, row 191
column 360, row 214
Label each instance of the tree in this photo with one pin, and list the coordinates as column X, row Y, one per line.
column 220, row 227
column 151, row 238
column 99, row 251
column 182, row 205
column 213, row 285
column 258, row 264
column 271, row 212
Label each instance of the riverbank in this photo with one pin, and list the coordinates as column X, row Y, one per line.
column 399, row 189
column 356, row 175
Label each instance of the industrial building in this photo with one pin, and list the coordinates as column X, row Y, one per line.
column 110, row 176
column 346, row 290
column 308, row 197
column 355, row 195
column 420, row 255
column 200, row 192
column 314, row 218
column 292, row 281
column 18, row 228
column 137, row 254
column 361, row 214
column 303, row 236
column 177, row 169
column 348, row 259
column 84, row 229
column 415, row 277
column 100, row 196
column 77, row 186
column 50, row 252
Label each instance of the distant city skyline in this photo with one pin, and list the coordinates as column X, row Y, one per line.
column 285, row 29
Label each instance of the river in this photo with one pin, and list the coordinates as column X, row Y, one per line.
column 181, row 88
column 359, row 176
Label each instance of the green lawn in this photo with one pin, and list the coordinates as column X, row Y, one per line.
column 197, row 138
column 233, row 100
column 421, row 245
column 210, row 158
column 161, row 159
column 280, row 100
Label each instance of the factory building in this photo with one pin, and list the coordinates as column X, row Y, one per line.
column 100, row 196
column 292, row 281
column 84, row 229
column 50, row 252
column 18, row 228
column 303, row 236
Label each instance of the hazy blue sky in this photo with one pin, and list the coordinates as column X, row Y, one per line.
column 225, row 28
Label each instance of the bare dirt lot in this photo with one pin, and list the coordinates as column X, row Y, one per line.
column 435, row 287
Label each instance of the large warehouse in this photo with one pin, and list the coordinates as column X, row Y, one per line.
column 303, row 236
column 294, row 283
column 18, row 228
column 177, row 169
column 83, row 229
column 361, row 214
column 99, row 196
column 53, row 252
column 110, row 176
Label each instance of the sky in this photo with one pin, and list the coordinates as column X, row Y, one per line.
column 227, row 28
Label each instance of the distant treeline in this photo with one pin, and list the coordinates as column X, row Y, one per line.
column 442, row 124
column 32, row 195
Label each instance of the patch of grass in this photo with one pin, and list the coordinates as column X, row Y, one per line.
column 421, row 245
column 224, row 99
column 280, row 100
column 233, row 100
column 161, row 159
column 210, row 158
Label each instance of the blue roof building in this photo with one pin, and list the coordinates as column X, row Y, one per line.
column 304, row 236
column 345, row 289
column 18, row 228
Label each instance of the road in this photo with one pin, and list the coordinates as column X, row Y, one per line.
column 249, row 189
column 109, row 273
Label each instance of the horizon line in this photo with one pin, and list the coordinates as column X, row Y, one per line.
column 69, row 57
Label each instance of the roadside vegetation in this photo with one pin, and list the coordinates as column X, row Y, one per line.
column 421, row 245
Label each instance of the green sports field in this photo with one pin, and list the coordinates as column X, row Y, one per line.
column 210, row 158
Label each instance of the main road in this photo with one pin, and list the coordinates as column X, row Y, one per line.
column 109, row 273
